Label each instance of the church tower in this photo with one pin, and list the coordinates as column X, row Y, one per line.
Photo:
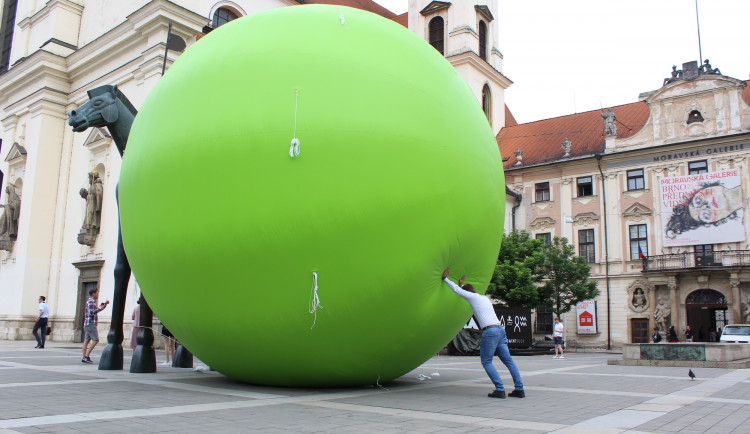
column 465, row 32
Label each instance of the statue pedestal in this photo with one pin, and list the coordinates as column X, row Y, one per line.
column 6, row 244
column 87, row 238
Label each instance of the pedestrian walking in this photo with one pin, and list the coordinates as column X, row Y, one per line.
column 688, row 334
column 90, row 323
column 494, row 340
column 41, row 322
column 557, row 335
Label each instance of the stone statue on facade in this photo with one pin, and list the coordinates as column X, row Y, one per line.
column 707, row 69
column 9, row 219
column 92, row 219
column 661, row 313
column 566, row 147
column 676, row 75
column 639, row 298
column 609, row 117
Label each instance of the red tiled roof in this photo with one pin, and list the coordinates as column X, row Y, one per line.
column 365, row 5
column 510, row 121
column 541, row 141
column 403, row 19
column 746, row 92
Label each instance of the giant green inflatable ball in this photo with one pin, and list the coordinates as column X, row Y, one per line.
column 398, row 177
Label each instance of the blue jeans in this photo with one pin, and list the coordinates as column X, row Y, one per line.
column 494, row 341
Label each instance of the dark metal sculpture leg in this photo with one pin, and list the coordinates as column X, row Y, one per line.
column 182, row 358
column 144, row 357
column 112, row 355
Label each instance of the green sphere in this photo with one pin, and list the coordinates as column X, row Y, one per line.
column 398, row 177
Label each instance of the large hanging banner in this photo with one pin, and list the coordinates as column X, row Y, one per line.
column 702, row 209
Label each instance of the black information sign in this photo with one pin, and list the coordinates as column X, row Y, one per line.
column 517, row 323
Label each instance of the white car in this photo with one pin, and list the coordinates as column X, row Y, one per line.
column 736, row 333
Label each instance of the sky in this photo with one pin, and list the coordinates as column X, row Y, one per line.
column 571, row 56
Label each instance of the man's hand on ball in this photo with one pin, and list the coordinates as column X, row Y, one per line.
column 446, row 272
column 463, row 279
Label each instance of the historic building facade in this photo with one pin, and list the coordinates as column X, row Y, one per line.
column 58, row 234
column 652, row 194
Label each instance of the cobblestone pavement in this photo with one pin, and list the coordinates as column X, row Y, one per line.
column 50, row 390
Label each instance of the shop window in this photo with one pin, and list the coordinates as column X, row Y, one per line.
column 543, row 323
column 586, row 245
column 636, row 180
column 437, row 34
column 697, row 167
column 585, row 186
column 638, row 238
column 542, row 192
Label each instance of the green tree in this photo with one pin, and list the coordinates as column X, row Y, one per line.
column 518, row 270
column 566, row 278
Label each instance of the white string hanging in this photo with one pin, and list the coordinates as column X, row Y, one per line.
column 341, row 17
column 294, row 148
column 314, row 300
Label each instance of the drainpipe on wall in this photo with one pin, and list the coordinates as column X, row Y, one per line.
column 518, row 197
column 606, row 251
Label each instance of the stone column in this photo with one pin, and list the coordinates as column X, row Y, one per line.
column 734, row 282
column 674, row 318
column 651, row 307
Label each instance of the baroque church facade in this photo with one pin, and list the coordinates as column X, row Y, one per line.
column 652, row 194
column 59, row 232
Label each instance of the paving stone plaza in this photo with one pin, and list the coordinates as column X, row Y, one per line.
column 50, row 390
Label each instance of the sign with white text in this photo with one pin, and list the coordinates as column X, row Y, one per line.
column 586, row 317
column 702, row 209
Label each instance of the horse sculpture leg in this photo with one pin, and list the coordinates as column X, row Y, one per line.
column 144, row 357
column 112, row 355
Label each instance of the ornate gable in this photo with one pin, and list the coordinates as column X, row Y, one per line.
column 16, row 152
column 484, row 11
column 637, row 212
column 540, row 223
column 434, row 7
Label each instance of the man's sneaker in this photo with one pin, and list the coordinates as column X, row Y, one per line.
column 497, row 394
column 517, row 394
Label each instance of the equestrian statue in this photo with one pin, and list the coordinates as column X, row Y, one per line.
column 108, row 107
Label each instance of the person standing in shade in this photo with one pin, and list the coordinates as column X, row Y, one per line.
column 557, row 335
column 136, row 323
column 672, row 335
column 90, row 324
column 494, row 340
column 688, row 334
column 656, row 336
column 41, row 322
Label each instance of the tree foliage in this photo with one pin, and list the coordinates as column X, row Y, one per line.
column 518, row 270
column 529, row 273
column 566, row 278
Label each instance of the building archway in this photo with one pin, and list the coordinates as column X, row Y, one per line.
column 706, row 310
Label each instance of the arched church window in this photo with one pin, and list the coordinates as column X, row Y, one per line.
column 482, row 40
column 437, row 34
column 695, row 116
column 487, row 103
column 223, row 16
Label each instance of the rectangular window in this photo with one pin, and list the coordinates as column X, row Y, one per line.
column 697, row 167
column 635, row 180
column 544, row 320
column 638, row 238
column 585, row 186
column 542, row 192
column 704, row 255
column 586, row 245
column 545, row 237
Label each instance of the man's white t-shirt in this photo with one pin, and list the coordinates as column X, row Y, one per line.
column 558, row 330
